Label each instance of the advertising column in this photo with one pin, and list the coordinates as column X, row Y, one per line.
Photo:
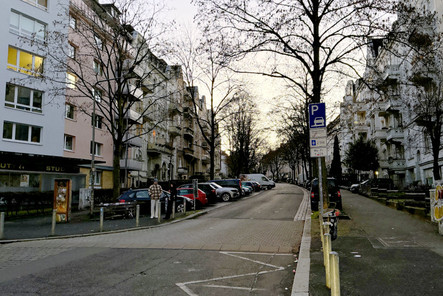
column 62, row 199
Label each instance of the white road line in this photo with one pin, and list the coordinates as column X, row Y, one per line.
column 234, row 288
column 300, row 286
column 188, row 291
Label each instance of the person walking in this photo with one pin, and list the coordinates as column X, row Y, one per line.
column 155, row 191
column 170, row 200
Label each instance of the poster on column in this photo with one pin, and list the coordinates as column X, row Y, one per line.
column 62, row 199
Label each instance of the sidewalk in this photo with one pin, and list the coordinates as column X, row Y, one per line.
column 382, row 252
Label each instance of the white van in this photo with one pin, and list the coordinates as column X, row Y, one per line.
column 260, row 179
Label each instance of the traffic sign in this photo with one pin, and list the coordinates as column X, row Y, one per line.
column 317, row 133
column 317, row 115
column 318, row 142
column 318, row 152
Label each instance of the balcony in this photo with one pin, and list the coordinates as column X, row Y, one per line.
column 189, row 152
column 174, row 109
column 393, row 164
column 391, row 73
column 134, row 116
column 182, row 171
column 175, row 131
column 395, row 134
column 206, row 159
column 133, row 140
column 132, row 92
column 380, row 134
column 188, row 132
column 131, row 164
column 131, row 70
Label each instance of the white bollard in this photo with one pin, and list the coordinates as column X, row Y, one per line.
column 2, row 225
column 54, row 220
column 173, row 209
column 137, row 215
column 102, row 217
column 335, row 273
column 159, row 210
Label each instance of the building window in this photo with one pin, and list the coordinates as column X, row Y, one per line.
column 69, row 143
column 21, row 132
column 43, row 4
column 97, row 95
column 71, row 80
column 98, row 69
column 72, row 22
column 25, row 26
column 72, row 51
column 70, row 111
column 98, row 178
column 24, row 62
column 97, row 147
column 23, row 98
column 96, row 121
column 98, row 42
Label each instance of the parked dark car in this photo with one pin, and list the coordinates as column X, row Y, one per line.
column 256, row 186
column 142, row 198
column 207, row 188
column 333, row 191
column 234, row 183
column 380, row 183
column 355, row 188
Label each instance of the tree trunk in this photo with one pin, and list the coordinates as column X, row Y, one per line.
column 116, row 170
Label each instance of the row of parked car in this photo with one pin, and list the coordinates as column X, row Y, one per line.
column 335, row 199
column 366, row 186
column 208, row 193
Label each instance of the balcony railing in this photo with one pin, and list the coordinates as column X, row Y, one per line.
column 131, row 164
column 395, row 134
column 391, row 72
column 132, row 92
column 393, row 164
column 175, row 131
column 133, row 140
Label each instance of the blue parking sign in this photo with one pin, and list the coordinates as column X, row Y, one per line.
column 317, row 115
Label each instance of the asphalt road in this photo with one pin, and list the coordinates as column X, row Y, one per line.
column 245, row 248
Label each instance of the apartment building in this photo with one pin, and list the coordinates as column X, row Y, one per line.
column 384, row 106
column 32, row 106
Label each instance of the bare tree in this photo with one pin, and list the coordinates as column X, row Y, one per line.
column 204, row 62
column 242, row 133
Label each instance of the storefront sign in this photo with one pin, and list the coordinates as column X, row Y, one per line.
column 437, row 202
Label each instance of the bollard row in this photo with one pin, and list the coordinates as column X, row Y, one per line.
column 330, row 259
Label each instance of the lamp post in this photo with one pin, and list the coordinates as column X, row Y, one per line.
column 92, row 172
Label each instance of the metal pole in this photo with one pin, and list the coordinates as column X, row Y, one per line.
column 335, row 274
column 2, row 225
column 320, row 187
column 159, row 210
column 102, row 216
column 92, row 172
column 54, row 217
column 327, row 266
column 173, row 209
column 137, row 215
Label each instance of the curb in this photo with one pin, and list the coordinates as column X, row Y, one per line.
column 195, row 215
column 300, row 286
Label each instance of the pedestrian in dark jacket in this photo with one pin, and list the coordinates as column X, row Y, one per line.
column 170, row 200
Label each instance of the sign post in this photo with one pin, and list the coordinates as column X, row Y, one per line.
column 195, row 190
column 317, row 141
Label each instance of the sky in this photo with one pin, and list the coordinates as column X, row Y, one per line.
column 265, row 90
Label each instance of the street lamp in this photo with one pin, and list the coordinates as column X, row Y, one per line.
column 376, row 174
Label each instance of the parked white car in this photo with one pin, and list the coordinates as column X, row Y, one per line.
column 260, row 179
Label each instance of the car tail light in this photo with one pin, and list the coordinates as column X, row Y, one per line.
column 121, row 201
column 338, row 193
column 312, row 194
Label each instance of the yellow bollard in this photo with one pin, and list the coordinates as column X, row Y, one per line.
column 326, row 251
column 325, row 230
column 335, row 273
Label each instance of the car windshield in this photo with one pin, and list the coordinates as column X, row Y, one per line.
column 331, row 183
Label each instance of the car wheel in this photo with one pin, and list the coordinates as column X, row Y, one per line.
column 180, row 208
column 226, row 197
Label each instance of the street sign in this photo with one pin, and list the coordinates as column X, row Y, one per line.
column 318, row 142
column 317, row 133
column 319, row 152
column 317, row 115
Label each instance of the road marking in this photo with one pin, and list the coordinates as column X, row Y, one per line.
column 300, row 286
column 301, row 213
column 188, row 291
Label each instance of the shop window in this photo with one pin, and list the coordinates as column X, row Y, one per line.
column 96, row 121
column 70, row 111
column 26, row 26
column 97, row 148
column 24, row 62
column 69, row 143
column 21, row 132
column 23, row 98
